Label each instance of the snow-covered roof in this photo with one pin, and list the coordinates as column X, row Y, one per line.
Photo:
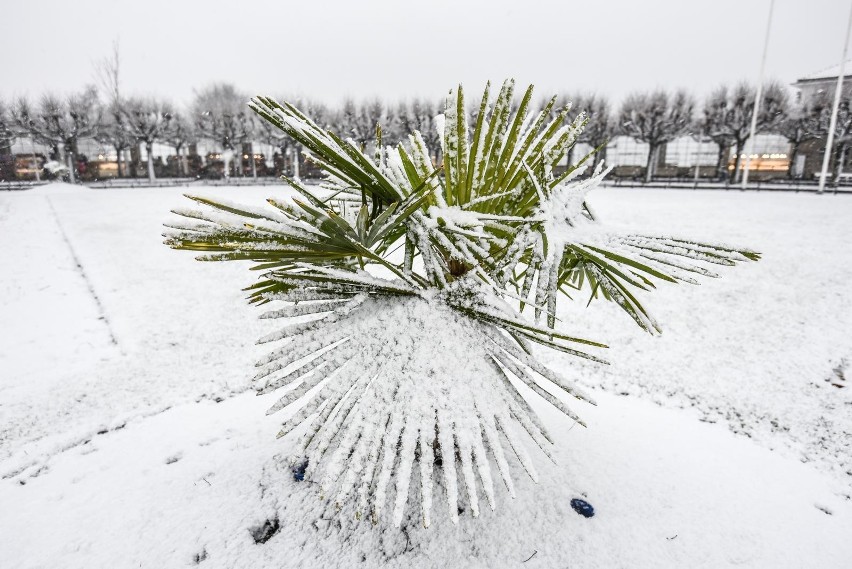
column 828, row 73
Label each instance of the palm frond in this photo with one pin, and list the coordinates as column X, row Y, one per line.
column 395, row 359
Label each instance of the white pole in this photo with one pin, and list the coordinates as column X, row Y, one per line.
column 757, row 96
column 833, row 122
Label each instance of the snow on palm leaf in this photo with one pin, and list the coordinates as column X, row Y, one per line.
column 405, row 376
column 394, row 361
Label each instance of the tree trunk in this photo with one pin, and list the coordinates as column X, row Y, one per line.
column 794, row 152
column 568, row 157
column 722, row 160
column 738, row 161
column 598, row 157
column 227, row 154
column 181, row 166
column 149, row 148
column 253, row 163
column 134, row 160
column 284, row 154
column 650, row 165
column 839, row 159
column 69, row 155
column 118, row 160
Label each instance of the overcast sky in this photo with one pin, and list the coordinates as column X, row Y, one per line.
column 360, row 48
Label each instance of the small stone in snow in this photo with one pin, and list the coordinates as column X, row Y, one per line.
column 582, row 507
column 299, row 471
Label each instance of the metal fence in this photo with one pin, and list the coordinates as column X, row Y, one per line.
column 131, row 183
column 758, row 186
column 128, row 183
column 22, row 185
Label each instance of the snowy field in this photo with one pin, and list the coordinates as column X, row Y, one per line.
column 128, row 437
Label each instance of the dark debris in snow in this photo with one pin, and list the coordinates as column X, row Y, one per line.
column 582, row 507
column 263, row 533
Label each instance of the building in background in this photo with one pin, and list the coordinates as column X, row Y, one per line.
column 821, row 84
column 824, row 83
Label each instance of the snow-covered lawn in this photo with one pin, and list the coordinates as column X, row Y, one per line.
column 127, row 437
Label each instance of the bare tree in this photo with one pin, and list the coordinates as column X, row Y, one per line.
column 8, row 135
column 423, row 113
column 417, row 115
column 179, row 134
column 114, row 130
column 714, row 126
column 7, row 139
column 148, row 121
column 222, row 116
column 346, row 119
column 275, row 137
column 728, row 114
column 358, row 120
column 321, row 115
column 801, row 124
column 398, row 123
column 842, row 130
column 60, row 123
column 656, row 119
column 599, row 128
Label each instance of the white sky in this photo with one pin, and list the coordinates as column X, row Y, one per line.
column 337, row 48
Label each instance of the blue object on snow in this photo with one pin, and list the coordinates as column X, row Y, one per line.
column 299, row 471
column 582, row 507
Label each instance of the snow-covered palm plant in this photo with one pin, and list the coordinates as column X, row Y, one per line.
column 403, row 286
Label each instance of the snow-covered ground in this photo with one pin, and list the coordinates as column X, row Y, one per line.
column 127, row 437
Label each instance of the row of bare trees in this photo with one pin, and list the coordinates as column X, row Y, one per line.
column 725, row 118
column 219, row 115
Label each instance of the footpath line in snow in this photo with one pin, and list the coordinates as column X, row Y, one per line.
column 82, row 271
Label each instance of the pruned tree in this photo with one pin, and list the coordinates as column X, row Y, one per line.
column 398, row 123
column 114, row 130
column 728, row 115
column 60, row 122
column 323, row 116
column 180, row 134
column 396, row 372
column 600, row 127
column 358, row 120
column 801, row 124
column 656, row 118
column 275, row 138
column 148, row 121
column 347, row 120
column 713, row 125
column 288, row 146
column 842, row 130
column 423, row 120
column 8, row 134
column 221, row 117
